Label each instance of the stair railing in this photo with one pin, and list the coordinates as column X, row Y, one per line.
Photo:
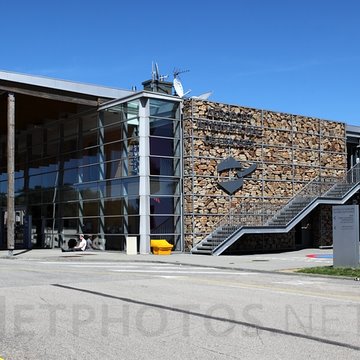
column 260, row 213
column 315, row 188
column 320, row 185
column 353, row 175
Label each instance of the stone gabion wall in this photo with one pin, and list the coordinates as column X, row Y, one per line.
column 289, row 151
column 263, row 242
column 321, row 230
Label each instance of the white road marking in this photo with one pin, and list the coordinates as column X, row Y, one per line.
column 146, row 271
column 150, row 268
column 299, row 282
column 306, row 259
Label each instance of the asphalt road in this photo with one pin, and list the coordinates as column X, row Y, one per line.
column 133, row 310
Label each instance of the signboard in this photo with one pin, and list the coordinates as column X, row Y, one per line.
column 223, row 127
column 346, row 235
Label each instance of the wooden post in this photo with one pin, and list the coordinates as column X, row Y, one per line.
column 10, row 221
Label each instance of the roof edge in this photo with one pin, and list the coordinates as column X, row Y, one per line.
column 64, row 85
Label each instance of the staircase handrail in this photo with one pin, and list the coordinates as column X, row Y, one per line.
column 353, row 174
column 265, row 211
column 316, row 188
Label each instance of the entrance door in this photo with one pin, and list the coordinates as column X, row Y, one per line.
column 23, row 235
column 303, row 234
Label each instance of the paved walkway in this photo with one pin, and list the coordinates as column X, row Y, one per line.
column 259, row 262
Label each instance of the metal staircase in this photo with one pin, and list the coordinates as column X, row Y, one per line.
column 264, row 218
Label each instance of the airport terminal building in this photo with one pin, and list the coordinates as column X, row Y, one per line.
column 210, row 178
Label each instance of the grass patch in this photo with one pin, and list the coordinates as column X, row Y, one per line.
column 330, row 270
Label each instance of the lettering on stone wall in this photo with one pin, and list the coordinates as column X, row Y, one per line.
column 225, row 114
column 229, row 123
column 212, row 140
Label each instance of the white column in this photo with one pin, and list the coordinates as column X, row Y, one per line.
column 144, row 181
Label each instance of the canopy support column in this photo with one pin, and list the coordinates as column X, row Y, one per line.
column 10, row 220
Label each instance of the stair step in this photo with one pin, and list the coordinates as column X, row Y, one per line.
column 214, row 243
column 201, row 252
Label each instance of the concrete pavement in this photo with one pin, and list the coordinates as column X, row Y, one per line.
column 285, row 261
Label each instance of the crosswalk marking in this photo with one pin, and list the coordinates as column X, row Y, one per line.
column 291, row 259
column 300, row 282
column 149, row 268
column 181, row 272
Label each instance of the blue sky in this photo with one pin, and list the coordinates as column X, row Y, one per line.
column 295, row 56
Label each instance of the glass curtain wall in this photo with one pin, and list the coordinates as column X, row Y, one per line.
column 81, row 174
column 165, row 171
column 120, row 211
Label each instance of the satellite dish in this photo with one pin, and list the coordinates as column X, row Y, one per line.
column 204, row 96
column 179, row 90
column 178, row 87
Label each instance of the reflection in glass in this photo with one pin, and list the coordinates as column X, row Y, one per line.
column 161, row 108
column 113, row 151
column 68, row 193
column 71, row 209
column 121, row 112
column 162, row 127
column 88, row 191
column 122, row 187
column 164, row 205
column 90, row 173
column 70, row 176
column 162, row 224
column 35, row 181
column 114, row 169
column 49, row 180
column 19, row 184
column 68, row 159
column 90, row 225
column 91, row 208
column 112, row 133
column 71, row 160
column 164, row 186
column 90, row 155
column 48, row 195
column 114, row 225
column 163, row 146
column 123, row 206
column 164, row 166
column 89, row 122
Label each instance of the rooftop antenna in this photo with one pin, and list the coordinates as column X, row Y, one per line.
column 179, row 90
column 155, row 73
